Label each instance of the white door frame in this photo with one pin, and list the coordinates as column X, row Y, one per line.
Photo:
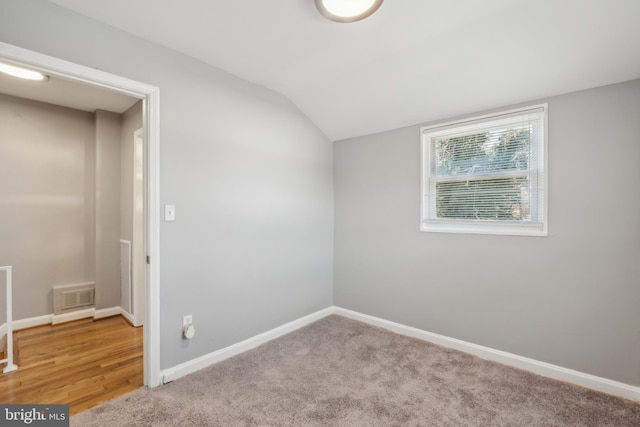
column 138, row 251
column 150, row 117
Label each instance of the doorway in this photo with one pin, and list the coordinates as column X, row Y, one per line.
column 149, row 142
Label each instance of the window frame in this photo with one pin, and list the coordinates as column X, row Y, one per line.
column 498, row 227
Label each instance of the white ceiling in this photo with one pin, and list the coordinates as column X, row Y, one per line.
column 413, row 61
column 66, row 93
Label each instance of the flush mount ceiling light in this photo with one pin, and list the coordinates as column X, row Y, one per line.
column 23, row 73
column 347, row 10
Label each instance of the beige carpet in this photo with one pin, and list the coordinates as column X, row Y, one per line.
column 339, row 372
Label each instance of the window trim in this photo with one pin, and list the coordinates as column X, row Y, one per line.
column 482, row 226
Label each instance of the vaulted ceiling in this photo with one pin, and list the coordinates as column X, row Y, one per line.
column 411, row 62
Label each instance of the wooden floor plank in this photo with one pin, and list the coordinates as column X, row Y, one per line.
column 82, row 363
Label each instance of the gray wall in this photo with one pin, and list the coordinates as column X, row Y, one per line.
column 570, row 299
column 46, row 206
column 55, row 231
column 250, row 175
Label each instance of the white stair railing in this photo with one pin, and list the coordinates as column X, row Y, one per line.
column 9, row 359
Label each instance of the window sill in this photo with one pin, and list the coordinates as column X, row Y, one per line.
column 484, row 227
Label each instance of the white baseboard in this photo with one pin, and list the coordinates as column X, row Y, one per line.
column 542, row 368
column 32, row 322
column 127, row 316
column 71, row 316
column 196, row 364
column 107, row 312
column 56, row 319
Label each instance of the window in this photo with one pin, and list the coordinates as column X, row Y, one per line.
column 486, row 175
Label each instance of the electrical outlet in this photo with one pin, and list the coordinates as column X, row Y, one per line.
column 187, row 320
column 188, row 331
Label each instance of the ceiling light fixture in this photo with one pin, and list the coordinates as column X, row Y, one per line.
column 347, row 10
column 23, row 73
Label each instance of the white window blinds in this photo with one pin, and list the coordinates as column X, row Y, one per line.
column 486, row 175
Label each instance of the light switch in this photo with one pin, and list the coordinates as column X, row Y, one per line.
column 169, row 212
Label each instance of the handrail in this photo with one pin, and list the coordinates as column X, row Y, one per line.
column 9, row 359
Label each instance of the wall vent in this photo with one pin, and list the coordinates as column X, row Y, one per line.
column 70, row 297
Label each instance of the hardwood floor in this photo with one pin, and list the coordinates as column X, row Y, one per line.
column 82, row 363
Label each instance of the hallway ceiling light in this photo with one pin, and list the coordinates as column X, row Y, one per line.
column 23, row 73
column 347, row 10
